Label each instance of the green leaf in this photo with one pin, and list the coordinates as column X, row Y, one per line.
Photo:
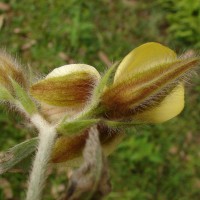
column 5, row 94
column 14, row 155
column 24, row 98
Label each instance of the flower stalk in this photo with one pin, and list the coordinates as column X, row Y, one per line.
column 47, row 136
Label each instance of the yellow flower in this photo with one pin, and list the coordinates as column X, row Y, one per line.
column 148, row 85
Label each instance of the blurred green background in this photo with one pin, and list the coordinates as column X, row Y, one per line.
column 154, row 162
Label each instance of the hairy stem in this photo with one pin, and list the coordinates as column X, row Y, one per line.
column 47, row 136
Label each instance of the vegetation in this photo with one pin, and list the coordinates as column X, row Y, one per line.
column 153, row 162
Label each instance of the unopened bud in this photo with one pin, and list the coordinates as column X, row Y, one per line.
column 67, row 86
column 70, row 147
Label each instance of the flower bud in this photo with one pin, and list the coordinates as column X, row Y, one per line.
column 70, row 147
column 67, row 86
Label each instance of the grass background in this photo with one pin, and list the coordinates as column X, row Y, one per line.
column 154, row 162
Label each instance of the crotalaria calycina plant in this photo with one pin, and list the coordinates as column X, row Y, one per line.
column 147, row 86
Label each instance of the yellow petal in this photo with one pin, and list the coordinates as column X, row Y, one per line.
column 171, row 106
column 68, row 86
column 143, row 58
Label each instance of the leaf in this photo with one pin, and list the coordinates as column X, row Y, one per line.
column 24, row 98
column 5, row 94
column 16, row 154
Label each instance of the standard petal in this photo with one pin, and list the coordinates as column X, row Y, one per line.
column 68, row 86
column 143, row 58
column 171, row 106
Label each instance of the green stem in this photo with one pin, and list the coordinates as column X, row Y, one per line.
column 82, row 121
